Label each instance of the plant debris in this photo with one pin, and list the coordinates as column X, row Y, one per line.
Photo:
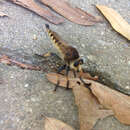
column 75, row 15
column 116, row 21
column 6, row 60
column 54, row 124
column 2, row 14
column 109, row 98
column 46, row 14
column 46, row 62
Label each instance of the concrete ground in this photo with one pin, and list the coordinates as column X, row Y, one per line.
column 26, row 95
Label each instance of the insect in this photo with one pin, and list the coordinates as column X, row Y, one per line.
column 68, row 53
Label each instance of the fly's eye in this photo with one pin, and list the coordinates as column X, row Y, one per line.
column 76, row 63
column 81, row 61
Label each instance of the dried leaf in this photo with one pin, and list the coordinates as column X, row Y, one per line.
column 54, row 124
column 53, row 77
column 114, row 100
column 116, row 21
column 46, row 14
column 75, row 15
column 2, row 14
column 89, row 108
column 111, row 99
column 50, row 77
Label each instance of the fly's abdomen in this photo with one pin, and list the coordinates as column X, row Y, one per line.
column 56, row 40
column 68, row 53
column 53, row 36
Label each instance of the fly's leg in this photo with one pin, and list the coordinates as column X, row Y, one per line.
column 59, row 70
column 67, row 72
column 87, row 85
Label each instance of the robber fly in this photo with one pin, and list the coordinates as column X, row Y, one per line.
column 68, row 53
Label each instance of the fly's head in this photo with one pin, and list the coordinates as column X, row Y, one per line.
column 77, row 65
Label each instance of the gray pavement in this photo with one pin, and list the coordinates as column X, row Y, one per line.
column 25, row 95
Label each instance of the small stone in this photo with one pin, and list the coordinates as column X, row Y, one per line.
column 102, row 33
column 90, row 57
column 29, row 110
column 127, row 87
column 43, row 92
column 33, row 99
column 51, row 67
column 81, row 55
column 26, row 85
column 83, row 45
column 129, row 62
column 34, row 37
column 5, row 100
column 11, row 76
column 1, row 122
column 17, row 119
column 59, row 101
column 82, row 16
column 57, row 65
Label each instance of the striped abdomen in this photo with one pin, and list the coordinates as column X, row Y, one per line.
column 68, row 53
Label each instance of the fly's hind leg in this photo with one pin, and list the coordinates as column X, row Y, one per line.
column 59, row 70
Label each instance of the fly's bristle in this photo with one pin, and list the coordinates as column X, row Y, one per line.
column 47, row 26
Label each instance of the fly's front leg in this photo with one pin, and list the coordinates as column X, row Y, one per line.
column 59, row 70
column 87, row 85
column 67, row 72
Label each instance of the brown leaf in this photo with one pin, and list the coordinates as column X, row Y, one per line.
column 111, row 99
column 116, row 21
column 46, row 14
column 2, row 14
column 75, row 15
column 54, row 124
column 53, row 77
column 114, row 100
column 89, row 108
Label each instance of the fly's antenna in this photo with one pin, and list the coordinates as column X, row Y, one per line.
column 47, row 26
column 47, row 30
